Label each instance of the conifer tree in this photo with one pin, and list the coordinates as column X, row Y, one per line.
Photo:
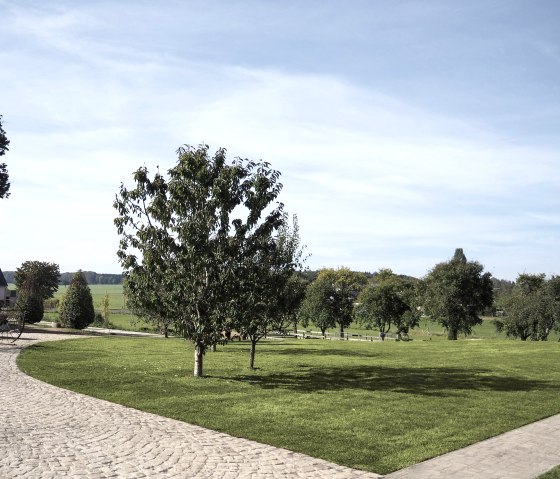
column 76, row 310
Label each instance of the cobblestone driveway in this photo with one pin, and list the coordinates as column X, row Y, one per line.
column 48, row 432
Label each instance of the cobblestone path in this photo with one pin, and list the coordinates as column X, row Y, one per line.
column 48, row 432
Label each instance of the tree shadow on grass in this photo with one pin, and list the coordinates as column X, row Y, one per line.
column 351, row 353
column 437, row 382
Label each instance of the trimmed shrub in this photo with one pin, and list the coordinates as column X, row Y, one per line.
column 76, row 309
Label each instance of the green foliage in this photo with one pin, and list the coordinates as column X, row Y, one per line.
column 267, row 297
column 184, row 239
column 388, row 300
column 40, row 276
column 105, row 308
column 376, row 406
column 36, row 282
column 456, row 293
column 329, row 299
column 94, row 278
column 532, row 308
column 293, row 296
column 29, row 304
column 552, row 474
column 76, row 309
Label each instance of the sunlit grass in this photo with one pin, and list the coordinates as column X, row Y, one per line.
column 375, row 406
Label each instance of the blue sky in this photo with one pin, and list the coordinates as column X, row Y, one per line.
column 403, row 129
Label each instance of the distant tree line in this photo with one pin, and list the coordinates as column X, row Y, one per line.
column 91, row 277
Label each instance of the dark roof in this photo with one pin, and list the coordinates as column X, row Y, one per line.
column 2, row 280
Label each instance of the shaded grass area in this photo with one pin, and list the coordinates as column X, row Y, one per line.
column 373, row 406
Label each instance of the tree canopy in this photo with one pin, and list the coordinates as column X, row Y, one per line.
column 40, row 275
column 4, row 177
column 456, row 292
column 184, row 238
column 388, row 300
column 329, row 298
column 532, row 308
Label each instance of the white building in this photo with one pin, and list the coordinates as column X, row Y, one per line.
column 7, row 296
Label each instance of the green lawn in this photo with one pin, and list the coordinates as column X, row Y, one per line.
column 552, row 474
column 375, row 406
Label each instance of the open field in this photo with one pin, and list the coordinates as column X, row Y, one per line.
column 375, row 406
column 115, row 291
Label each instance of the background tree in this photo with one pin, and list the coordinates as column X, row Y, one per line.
column 35, row 281
column 151, row 305
column 265, row 299
column 346, row 285
column 388, row 300
column 531, row 309
column 76, row 309
column 44, row 275
column 456, row 292
column 105, row 312
column 329, row 299
column 293, row 297
column 181, row 238
column 29, row 302
column 4, row 177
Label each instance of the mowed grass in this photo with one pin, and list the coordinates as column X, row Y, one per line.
column 374, row 406
column 552, row 474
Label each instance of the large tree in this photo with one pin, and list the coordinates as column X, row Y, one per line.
column 4, row 178
column 36, row 281
column 388, row 300
column 532, row 308
column 76, row 309
column 182, row 238
column 456, row 292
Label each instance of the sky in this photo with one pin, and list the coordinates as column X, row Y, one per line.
column 402, row 129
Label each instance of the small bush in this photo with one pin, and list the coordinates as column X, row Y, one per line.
column 76, row 309
column 99, row 322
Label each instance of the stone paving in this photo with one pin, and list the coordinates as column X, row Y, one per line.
column 48, row 432
column 523, row 453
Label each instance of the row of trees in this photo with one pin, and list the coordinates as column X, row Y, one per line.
column 91, row 277
column 454, row 293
